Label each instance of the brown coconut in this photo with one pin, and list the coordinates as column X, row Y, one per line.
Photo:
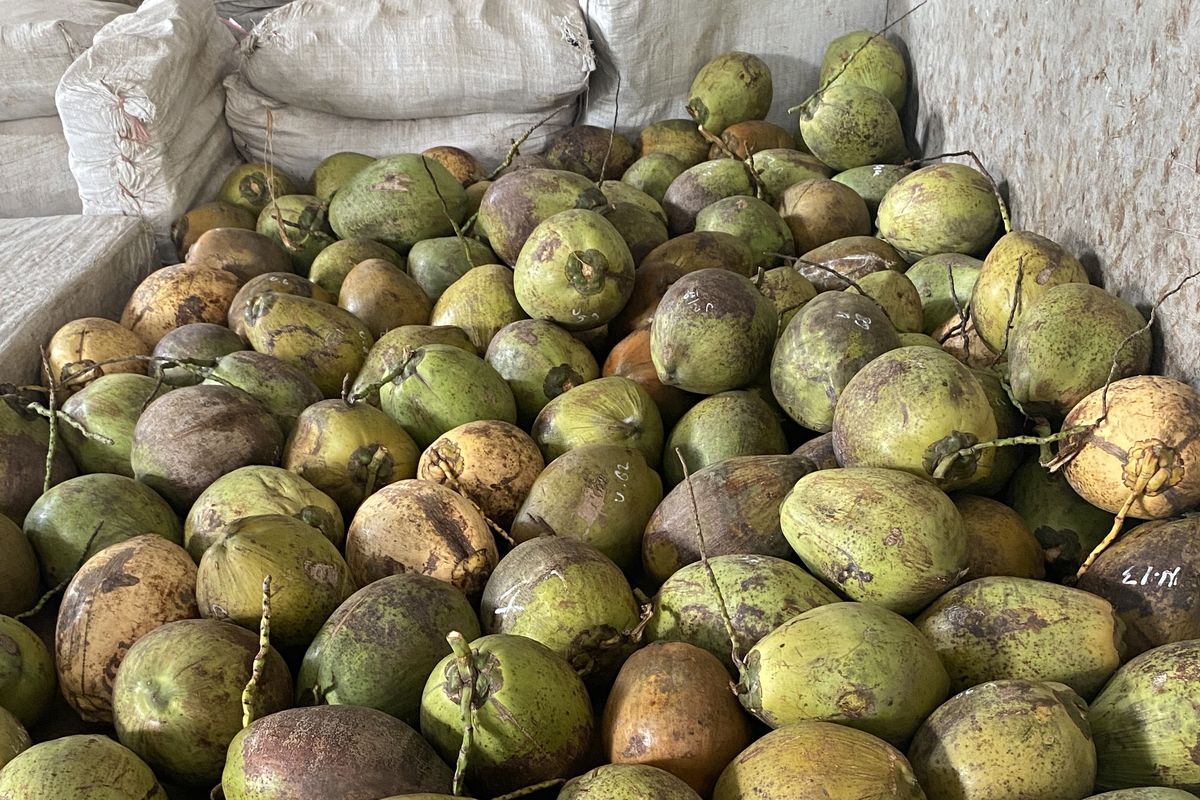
column 179, row 295
column 77, row 347
column 820, row 211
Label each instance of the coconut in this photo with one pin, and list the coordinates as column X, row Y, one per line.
column 640, row 229
column 423, row 527
column 24, row 444
column 398, row 201
column 521, row 686
column 910, row 409
column 944, row 208
column 820, row 211
column 458, row 162
column 335, row 171
column 850, row 257
column 177, row 698
column 77, row 348
column 299, row 224
column 963, row 342
column 998, row 540
column 383, row 297
column 540, row 361
column 779, row 168
column 712, row 332
column 494, row 464
column 1150, row 434
column 309, row 579
column 349, row 451
column 276, row 283
column 819, row 451
column 753, row 221
column 186, row 230
column 864, row 58
column 678, row 138
column 856, row 664
column 877, row 535
column 441, row 387
column 1052, row 368
column 120, row 594
column 872, row 181
column 761, row 592
column 653, row 174
column 1009, row 422
column 14, row 739
column 631, row 358
column 700, row 186
column 252, row 186
column 188, row 438
column 518, row 202
column 283, row 389
column 595, row 153
column 83, row 767
column 323, row 340
column 245, row 253
column 26, row 672
column 737, row 501
column 897, row 296
column 330, row 268
column 706, row 250
column 198, row 345
column 788, row 290
column 999, row 628
column 723, row 426
column 107, row 407
column 743, row 139
column 848, row 125
column 933, row 277
column 19, row 574
column 671, row 708
column 435, row 264
column 330, row 751
column 481, row 302
column 570, row 597
column 388, row 354
column 254, row 491
column 829, row 340
column 611, row 410
column 379, row 646
column 175, row 296
column 809, row 760
column 1147, row 793
column 627, row 782
column 731, row 88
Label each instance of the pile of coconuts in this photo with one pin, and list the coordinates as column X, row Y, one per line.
column 724, row 462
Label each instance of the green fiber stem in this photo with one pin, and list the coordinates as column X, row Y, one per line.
column 948, row 461
column 466, row 674
column 260, row 658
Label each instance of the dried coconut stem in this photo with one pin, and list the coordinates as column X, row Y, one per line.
column 516, row 146
column 958, row 306
column 948, row 461
column 458, row 231
column 1147, row 471
column 52, row 389
column 467, row 675
column 67, row 420
column 612, row 132
column 1012, row 310
column 50, row 595
column 849, row 281
column 451, row 476
column 378, row 458
column 260, row 658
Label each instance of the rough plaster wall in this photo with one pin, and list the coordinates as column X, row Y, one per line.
column 1090, row 113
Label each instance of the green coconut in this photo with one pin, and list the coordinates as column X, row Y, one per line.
column 944, row 208
column 909, row 409
column 849, row 257
column 254, row 491
column 619, row 192
column 19, row 573
column 388, row 354
column 998, row 540
column 347, row 752
column 999, row 628
column 761, row 593
column 705, row 249
column 520, row 686
column 1009, row 422
column 481, row 302
column 848, row 126
column 737, row 501
column 700, row 186
column 591, row 151
column 933, row 277
column 877, row 535
column 897, row 296
column 309, row 578
column 441, row 387
column 679, row 138
column 379, row 646
column 399, row 201
column 864, row 58
column 200, row 343
column 1010, row 739
column 779, row 168
column 335, row 171
column 754, row 222
column 540, row 361
column 298, row 223
column 14, row 739
column 334, row 263
column 435, row 264
column 569, row 596
column 24, row 443
column 641, row 230
column 252, row 186
column 349, row 451
column 323, row 340
column 27, row 678
column 599, row 494
column 872, row 181
column 214, row 215
column 722, row 426
column 284, row 389
column 627, row 782
column 809, row 760
column 177, row 698
column 108, row 406
column 653, row 173
column 789, row 291
column 114, row 508
column 733, row 87
column 277, row 283
column 520, row 201
column 612, row 410
column 83, row 767
column 1145, row 793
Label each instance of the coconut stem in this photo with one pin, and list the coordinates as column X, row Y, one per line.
column 516, row 146
column 458, row 231
column 1147, row 471
column 52, row 391
column 708, row 570
column 260, row 658
column 269, row 159
column 50, row 595
column 971, row 155
column 849, row 281
column 958, row 306
column 760, row 190
column 67, row 420
column 355, row 397
column 1012, row 309
column 612, row 132
column 380, row 455
column 451, row 477
column 466, row 674
column 948, row 461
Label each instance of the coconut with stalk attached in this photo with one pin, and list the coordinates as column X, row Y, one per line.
column 678, row 138
column 77, row 353
column 1009, row 423
column 850, row 125
column 934, row 276
column 176, row 296
column 246, row 253
column 24, row 449
column 389, row 352
column 731, row 88
column 627, row 782
column 108, row 407
column 277, row 283
column 177, row 698
column 213, row 215
column 198, row 346
column 820, row 211
column 84, row 766
column 851, row 257
column 335, row 262
column 377, row 649
column 593, row 152
column 999, row 542
column 384, row 297
column 723, row 426
column 743, row 139
column 653, row 174
column 435, row 264
column 19, row 573
column 27, row 675
column 298, row 223
column 611, row 410
column 671, row 708
column 284, row 389
column 944, row 208
column 532, row 716
column 335, row 171
column 700, row 186
column 864, row 58
column 122, row 593
column 755, row 222
column 251, row 186
column 539, row 360
column 518, row 202
column 338, row 751
column 481, row 303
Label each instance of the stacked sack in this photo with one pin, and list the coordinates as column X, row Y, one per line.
column 403, row 75
column 39, row 40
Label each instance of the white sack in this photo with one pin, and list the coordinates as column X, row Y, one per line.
column 658, row 46
column 302, row 138
column 37, row 179
column 39, row 39
column 142, row 111
column 61, row 268
column 417, row 59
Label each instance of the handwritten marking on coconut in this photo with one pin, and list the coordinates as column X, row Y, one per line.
column 507, row 596
column 622, row 474
column 1163, row 578
column 585, row 316
column 693, row 300
column 860, row 320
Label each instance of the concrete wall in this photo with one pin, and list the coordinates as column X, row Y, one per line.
column 1089, row 111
